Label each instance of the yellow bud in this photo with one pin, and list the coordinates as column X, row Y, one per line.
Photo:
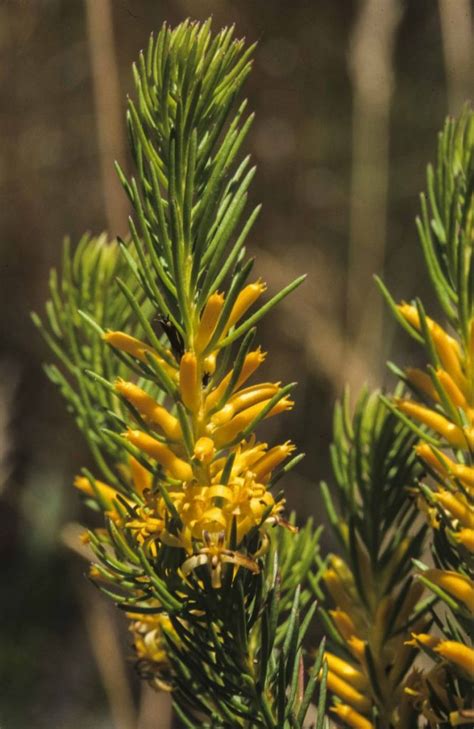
column 204, row 449
column 338, row 590
column 140, row 475
column 265, row 465
column 343, row 623
column 423, row 639
column 252, row 361
column 452, row 390
column 107, row 493
column 227, row 432
column 177, row 468
column 459, row 586
column 347, row 693
column 244, row 399
column 459, row 654
column 447, row 348
column 209, row 364
column 423, row 382
column 150, row 410
column 466, row 538
column 244, row 301
column 209, row 319
column 346, row 671
column 357, row 648
column 189, row 384
column 136, row 348
column 351, row 717
column 455, row 436
column 457, row 505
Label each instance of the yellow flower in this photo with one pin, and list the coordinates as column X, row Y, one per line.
column 176, row 467
column 215, row 554
column 209, row 319
column 447, row 348
column 138, row 349
column 351, row 716
column 459, row 654
column 244, row 301
column 455, row 436
column 457, row 505
column 347, row 693
column 346, row 671
column 149, row 409
column 466, row 538
column 459, row 586
column 189, row 381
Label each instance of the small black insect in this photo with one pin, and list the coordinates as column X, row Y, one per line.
column 174, row 337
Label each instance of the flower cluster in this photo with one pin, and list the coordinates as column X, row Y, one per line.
column 213, row 474
column 446, row 392
column 441, row 415
column 374, row 602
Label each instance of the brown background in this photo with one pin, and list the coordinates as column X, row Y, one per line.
column 349, row 97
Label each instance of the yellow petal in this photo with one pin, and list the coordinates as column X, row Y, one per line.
column 178, row 468
column 457, row 505
column 351, row 716
column 189, row 384
column 466, row 538
column 459, row 586
column 346, row 671
column 208, row 322
column 244, row 301
column 459, row 654
column 252, row 361
column 151, row 411
column 204, row 449
column 455, row 436
column 347, row 693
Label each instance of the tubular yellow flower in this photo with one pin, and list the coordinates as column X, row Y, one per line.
column 204, row 449
column 421, row 381
column 457, row 437
column 244, row 399
column 457, row 506
column 177, row 468
column 208, row 321
column 347, row 693
column 452, row 390
column 447, row 348
column 140, row 476
column 252, row 361
column 459, row 654
column 459, row 586
column 343, row 623
column 351, row 716
column 445, row 466
column 264, row 466
column 337, row 590
column 466, row 538
column 357, row 648
column 244, row 301
column 227, row 432
column 423, row 639
column 150, row 410
column 136, row 348
column 346, row 671
column 189, row 384
column 106, row 493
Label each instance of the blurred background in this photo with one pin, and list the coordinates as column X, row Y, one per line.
column 349, row 97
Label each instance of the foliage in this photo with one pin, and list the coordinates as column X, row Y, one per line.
column 370, row 582
column 152, row 360
column 441, row 414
